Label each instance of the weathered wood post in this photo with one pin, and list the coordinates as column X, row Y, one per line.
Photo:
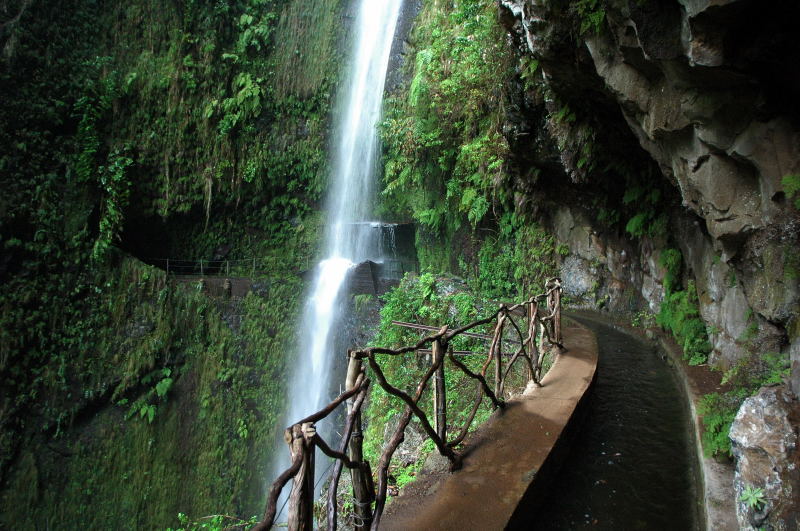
column 168, row 266
column 301, row 497
column 498, row 354
column 201, row 268
column 253, row 274
column 362, row 492
column 557, row 319
column 439, row 391
column 531, row 346
column 541, row 351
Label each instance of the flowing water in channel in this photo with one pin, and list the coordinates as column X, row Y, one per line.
column 349, row 236
column 631, row 465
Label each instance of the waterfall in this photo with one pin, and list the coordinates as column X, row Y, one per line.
column 347, row 241
column 349, row 237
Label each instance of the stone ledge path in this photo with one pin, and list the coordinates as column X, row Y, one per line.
column 506, row 455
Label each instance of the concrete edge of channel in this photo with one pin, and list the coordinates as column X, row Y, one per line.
column 538, row 490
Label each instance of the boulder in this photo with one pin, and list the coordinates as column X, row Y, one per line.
column 764, row 439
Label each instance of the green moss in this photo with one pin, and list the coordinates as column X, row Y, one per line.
column 791, row 187
column 445, row 154
column 156, row 398
column 791, row 263
column 215, row 390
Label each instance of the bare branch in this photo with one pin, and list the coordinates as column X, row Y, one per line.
column 423, row 419
column 275, row 492
column 465, row 429
column 495, row 401
column 327, row 410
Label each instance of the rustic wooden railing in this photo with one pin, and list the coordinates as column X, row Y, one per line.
column 542, row 334
column 254, row 266
column 249, row 267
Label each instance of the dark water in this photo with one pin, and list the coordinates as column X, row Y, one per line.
column 632, row 463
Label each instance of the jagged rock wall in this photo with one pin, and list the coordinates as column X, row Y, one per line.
column 705, row 90
column 765, row 443
column 700, row 95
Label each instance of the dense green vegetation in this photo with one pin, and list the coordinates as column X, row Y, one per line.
column 435, row 301
column 445, row 155
column 744, row 379
column 184, row 129
column 177, row 367
column 447, row 161
column 680, row 311
column 166, row 128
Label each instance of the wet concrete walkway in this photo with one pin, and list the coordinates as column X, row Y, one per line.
column 507, row 454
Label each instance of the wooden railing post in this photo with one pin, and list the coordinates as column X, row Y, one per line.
column 557, row 318
column 201, row 268
column 544, row 332
column 534, row 355
column 439, row 391
column 362, row 490
column 301, row 498
column 497, row 345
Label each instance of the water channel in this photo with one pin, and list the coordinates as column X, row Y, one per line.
column 632, row 464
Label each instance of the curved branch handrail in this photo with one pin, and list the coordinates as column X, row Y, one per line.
column 544, row 328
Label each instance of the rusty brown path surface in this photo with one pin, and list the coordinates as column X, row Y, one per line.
column 505, row 455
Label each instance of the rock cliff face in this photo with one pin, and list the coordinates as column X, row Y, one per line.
column 702, row 91
column 765, row 443
column 693, row 101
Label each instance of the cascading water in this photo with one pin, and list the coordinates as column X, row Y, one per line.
column 347, row 240
column 349, row 237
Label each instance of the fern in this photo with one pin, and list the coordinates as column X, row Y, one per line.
column 591, row 14
column 791, row 187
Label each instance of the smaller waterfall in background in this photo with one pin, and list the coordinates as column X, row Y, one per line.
column 350, row 238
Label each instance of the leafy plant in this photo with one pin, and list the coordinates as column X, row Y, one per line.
column 718, row 411
column 434, row 301
column 746, row 377
column 643, row 319
column 592, row 15
column 116, row 192
column 214, row 522
column 671, row 260
column 753, row 497
column 680, row 311
column 445, row 155
column 403, row 475
column 680, row 314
